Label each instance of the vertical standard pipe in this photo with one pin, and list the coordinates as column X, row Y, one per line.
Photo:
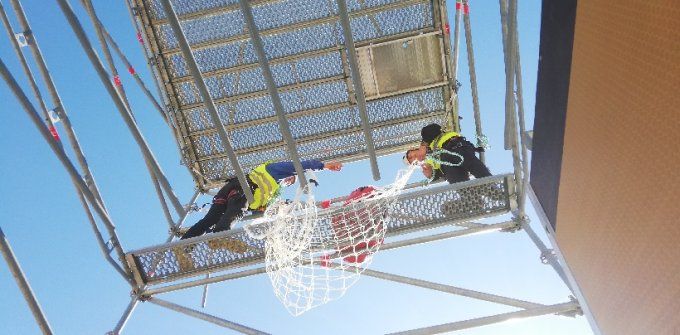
column 99, row 238
column 509, row 24
column 122, row 109
column 175, row 227
column 133, row 72
column 205, row 94
column 205, row 317
column 473, row 76
column 24, row 65
column 36, row 91
column 204, row 297
column 56, row 99
column 68, row 165
column 503, row 4
column 125, row 317
column 26, row 290
column 456, row 40
column 358, row 87
column 284, row 127
column 520, row 113
column 101, row 36
column 150, row 60
column 105, row 50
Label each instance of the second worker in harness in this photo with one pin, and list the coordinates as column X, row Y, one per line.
column 264, row 181
column 446, row 154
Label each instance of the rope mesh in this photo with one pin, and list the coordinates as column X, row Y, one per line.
column 314, row 255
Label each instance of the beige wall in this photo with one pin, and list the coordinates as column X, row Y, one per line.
column 618, row 220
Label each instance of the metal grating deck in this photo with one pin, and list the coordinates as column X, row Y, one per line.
column 417, row 210
column 304, row 44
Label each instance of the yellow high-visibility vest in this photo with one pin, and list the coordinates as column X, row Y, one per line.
column 441, row 139
column 266, row 186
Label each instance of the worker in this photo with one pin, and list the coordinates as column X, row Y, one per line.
column 446, row 154
column 264, row 181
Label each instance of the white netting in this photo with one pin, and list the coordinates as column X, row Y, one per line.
column 313, row 255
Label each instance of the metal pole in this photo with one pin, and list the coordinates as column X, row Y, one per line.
column 503, row 4
column 456, row 40
column 509, row 21
column 68, row 165
column 520, row 113
column 26, row 290
column 204, row 297
column 206, row 317
column 473, row 76
column 205, row 94
column 551, row 259
column 89, row 8
column 99, row 28
column 24, row 66
column 56, row 99
column 560, row 257
column 284, row 127
column 448, row 289
column 358, row 87
column 100, row 239
column 132, row 71
column 454, row 326
column 447, row 235
column 174, row 228
column 101, row 35
column 385, row 247
column 120, row 105
column 125, row 317
column 150, row 59
column 204, row 281
column 38, row 96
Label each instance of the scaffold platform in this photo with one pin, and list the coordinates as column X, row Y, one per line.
column 416, row 210
column 305, row 47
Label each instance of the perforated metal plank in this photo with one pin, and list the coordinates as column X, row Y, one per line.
column 415, row 210
column 304, row 43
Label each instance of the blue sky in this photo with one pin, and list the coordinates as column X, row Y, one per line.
column 81, row 294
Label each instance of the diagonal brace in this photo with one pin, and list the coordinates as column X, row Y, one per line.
column 205, row 317
column 487, row 320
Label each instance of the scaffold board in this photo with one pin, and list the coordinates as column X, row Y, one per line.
column 403, row 53
column 416, row 210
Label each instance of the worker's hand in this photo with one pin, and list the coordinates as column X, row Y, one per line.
column 333, row 166
column 427, row 170
column 289, row 181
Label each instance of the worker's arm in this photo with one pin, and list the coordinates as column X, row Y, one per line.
column 281, row 170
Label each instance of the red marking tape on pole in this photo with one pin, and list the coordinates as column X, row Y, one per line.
column 116, row 80
column 131, row 70
column 54, row 133
column 466, row 9
column 458, row 5
column 139, row 38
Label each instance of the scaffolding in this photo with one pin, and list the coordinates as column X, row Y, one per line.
column 243, row 82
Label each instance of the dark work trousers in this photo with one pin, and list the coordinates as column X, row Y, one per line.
column 226, row 206
column 471, row 164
